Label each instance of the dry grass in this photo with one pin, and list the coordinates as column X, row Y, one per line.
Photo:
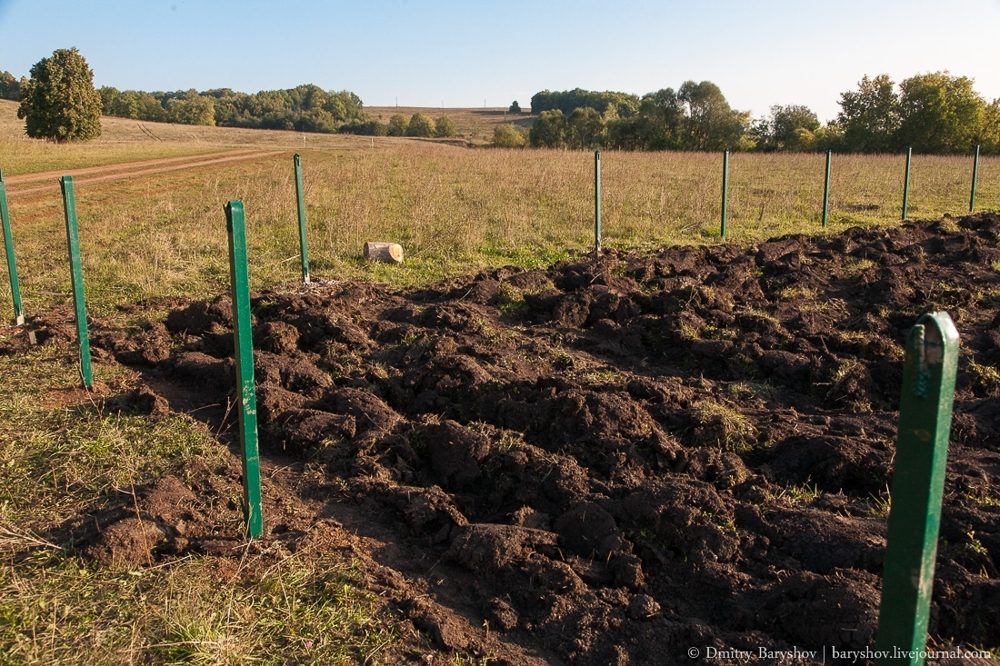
column 124, row 140
column 473, row 125
column 453, row 209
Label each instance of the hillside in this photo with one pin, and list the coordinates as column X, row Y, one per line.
column 474, row 125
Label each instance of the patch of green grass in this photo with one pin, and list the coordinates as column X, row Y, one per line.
column 511, row 300
column 55, row 461
column 602, row 376
column 986, row 376
column 750, row 390
column 880, row 505
column 792, row 293
column 726, row 426
column 710, row 332
column 62, row 456
column 297, row 610
column 855, row 268
column 804, row 494
column 530, row 256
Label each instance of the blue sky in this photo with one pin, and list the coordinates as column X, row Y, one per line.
column 462, row 53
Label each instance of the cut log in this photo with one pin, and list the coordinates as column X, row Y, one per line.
column 389, row 253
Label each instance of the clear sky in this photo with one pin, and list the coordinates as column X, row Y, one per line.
column 463, row 53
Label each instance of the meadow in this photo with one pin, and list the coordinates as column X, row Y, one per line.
column 456, row 210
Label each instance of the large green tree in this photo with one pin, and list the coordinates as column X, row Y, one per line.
column 192, row 109
column 661, row 119
column 940, row 113
column 789, row 128
column 584, row 128
column 990, row 138
column 59, row 101
column 793, row 126
column 548, row 130
column 10, row 87
column 711, row 123
column 870, row 116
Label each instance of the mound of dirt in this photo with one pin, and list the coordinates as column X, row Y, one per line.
column 612, row 461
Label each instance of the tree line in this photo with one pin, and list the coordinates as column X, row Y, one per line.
column 60, row 102
column 932, row 113
column 305, row 108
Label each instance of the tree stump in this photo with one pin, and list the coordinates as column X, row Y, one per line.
column 389, row 253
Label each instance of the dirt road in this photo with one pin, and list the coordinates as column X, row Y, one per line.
column 48, row 181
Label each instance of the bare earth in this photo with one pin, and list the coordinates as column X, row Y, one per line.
column 605, row 462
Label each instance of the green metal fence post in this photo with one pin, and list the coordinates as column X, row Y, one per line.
column 917, row 486
column 302, row 219
column 975, row 177
column 597, row 201
column 8, row 240
column 826, row 189
column 906, row 180
column 76, row 276
column 725, row 189
column 243, row 341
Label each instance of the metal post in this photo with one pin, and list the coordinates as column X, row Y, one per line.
column 76, row 276
column 597, row 201
column 975, row 177
column 243, row 342
column 302, row 220
column 826, row 189
column 8, row 239
column 906, row 181
column 725, row 189
column 917, row 485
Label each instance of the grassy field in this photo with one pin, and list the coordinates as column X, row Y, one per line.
column 454, row 209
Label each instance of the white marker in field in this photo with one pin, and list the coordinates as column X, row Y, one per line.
column 389, row 253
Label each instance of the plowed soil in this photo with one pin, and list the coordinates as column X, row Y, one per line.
column 611, row 461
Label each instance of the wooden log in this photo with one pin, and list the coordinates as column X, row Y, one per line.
column 389, row 253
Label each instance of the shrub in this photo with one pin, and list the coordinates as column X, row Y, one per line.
column 508, row 136
column 445, row 126
column 10, row 87
column 369, row 128
column 420, row 125
column 397, row 125
column 549, row 130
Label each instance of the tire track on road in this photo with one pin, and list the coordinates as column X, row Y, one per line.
column 126, row 170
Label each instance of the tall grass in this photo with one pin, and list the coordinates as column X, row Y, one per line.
column 453, row 209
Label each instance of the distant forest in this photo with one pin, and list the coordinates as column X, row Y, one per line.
column 933, row 113
column 306, row 108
